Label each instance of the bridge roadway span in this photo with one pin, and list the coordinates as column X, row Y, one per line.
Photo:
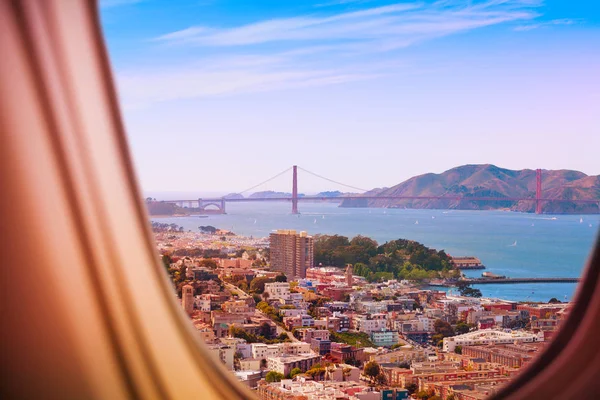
column 318, row 198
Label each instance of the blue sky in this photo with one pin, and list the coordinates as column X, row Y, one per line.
column 220, row 94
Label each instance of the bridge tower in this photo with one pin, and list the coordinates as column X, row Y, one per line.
column 538, row 191
column 295, row 190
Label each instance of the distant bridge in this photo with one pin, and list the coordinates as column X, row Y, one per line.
column 218, row 204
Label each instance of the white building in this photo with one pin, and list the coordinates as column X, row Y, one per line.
column 426, row 323
column 384, row 338
column 245, row 349
column 284, row 364
column 368, row 324
column 223, row 353
column 294, row 312
column 294, row 348
column 202, row 304
column 278, row 290
column 372, row 307
column 263, row 351
column 490, row 336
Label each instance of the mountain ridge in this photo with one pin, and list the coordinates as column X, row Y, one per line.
column 488, row 180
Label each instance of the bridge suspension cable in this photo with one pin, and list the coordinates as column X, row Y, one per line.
column 266, row 181
column 332, row 181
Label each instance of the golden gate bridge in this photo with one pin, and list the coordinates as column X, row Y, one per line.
column 219, row 204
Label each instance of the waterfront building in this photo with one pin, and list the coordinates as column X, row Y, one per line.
column 466, row 262
column 291, row 253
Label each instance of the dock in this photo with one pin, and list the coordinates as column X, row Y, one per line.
column 487, row 281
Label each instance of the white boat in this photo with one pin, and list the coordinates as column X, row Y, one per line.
column 514, row 244
column 417, row 222
column 323, row 217
column 553, row 219
column 581, row 220
column 432, row 217
column 315, row 221
column 254, row 221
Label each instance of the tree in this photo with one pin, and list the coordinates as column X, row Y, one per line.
column 265, row 330
column 423, row 395
column 257, row 285
column 273, row 376
column 281, row 278
column 443, row 328
column 167, row 260
column 208, row 229
column 295, row 372
column 466, row 290
column 208, row 263
column 554, row 300
column 458, row 349
column 372, row 369
column 411, row 387
column 381, row 379
column 462, row 327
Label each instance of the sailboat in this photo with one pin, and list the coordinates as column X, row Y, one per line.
column 323, row 217
column 581, row 220
column 432, row 217
column 255, row 221
column 417, row 222
column 514, row 244
column 315, row 221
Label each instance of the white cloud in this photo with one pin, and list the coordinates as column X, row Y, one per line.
column 310, row 50
column 530, row 27
column 228, row 76
column 404, row 22
column 340, row 2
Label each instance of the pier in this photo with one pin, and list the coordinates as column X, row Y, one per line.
column 487, row 281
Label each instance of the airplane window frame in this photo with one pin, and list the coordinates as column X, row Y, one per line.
column 60, row 114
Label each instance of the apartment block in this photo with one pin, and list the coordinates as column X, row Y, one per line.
column 291, row 253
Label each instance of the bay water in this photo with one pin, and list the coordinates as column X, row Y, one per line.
column 508, row 243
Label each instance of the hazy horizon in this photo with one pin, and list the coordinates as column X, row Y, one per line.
column 219, row 95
